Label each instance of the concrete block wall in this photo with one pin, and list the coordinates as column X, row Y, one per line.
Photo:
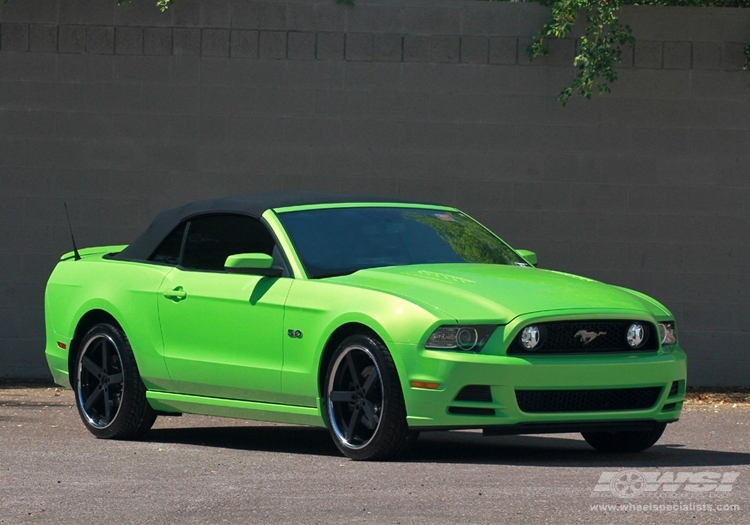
column 124, row 111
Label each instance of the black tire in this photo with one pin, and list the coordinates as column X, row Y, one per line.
column 626, row 441
column 364, row 404
column 110, row 395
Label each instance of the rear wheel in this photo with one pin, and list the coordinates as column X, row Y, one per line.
column 110, row 394
column 626, row 441
column 364, row 404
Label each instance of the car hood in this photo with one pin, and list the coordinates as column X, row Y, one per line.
column 496, row 293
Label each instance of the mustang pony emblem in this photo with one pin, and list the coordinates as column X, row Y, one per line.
column 586, row 336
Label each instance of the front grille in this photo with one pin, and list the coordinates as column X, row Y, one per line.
column 479, row 393
column 587, row 400
column 581, row 337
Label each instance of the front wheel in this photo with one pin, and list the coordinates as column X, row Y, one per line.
column 625, row 441
column 364, row 405
column 110, row 394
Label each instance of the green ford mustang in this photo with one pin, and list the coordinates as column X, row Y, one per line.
column 375, row 318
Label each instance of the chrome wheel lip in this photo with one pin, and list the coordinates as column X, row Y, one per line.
column 340, row 434
column 79, row 387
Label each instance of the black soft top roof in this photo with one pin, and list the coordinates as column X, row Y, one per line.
column 253, row 205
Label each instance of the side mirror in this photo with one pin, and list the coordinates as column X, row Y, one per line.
column 251, row 263
column 529, row 256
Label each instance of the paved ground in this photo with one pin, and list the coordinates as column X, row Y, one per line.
column 206, row 470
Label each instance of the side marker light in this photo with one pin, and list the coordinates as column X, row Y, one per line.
column 425, row 384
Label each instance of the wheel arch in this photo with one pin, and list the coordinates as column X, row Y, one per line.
column 86, row 323
column 333, row 342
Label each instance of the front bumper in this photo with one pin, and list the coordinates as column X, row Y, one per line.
column 504, row 375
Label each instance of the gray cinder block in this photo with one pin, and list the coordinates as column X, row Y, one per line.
column 244, row 43
column 707, row 55
column 23, row 124
column 476, row 20
column 375, row 19
column 732, row 56
column 387, row 48
column 677, row 55
column 503, row 50
column 42, row 38
column 186, row 13
column 272, row 44
column 427, row 19
column 85, row 12
column 359, row 46
column 626, row 56
column 259, row 15
column 12, row 94
column 330, row 46
column 142, row 70
column 186, row 42
column 100, row 40
column 129, row 40
column 445, row 49
column 215, row 42
column 55, row 97
column 301, row 45
column 84, row 125
column 157, row 41
column 318, row 16
column 71, row 39
column 474, row 49
column 15, row 36
column 648, row 54
column 417, row 48
column 562, row 51
column 215, row 13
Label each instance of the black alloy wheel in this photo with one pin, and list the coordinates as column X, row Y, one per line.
column 364, row 404
column 110, row 394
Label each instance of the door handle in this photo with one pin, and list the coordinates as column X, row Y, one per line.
column 178, row 294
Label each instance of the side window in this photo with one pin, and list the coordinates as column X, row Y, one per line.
column 211, row 239
column 168, row 251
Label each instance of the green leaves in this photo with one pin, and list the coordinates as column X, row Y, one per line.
column 162, row 5
column 599, row 49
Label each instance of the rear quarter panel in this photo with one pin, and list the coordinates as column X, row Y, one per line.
column 127, row 291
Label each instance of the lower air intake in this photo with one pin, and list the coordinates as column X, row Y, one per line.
column 587, row 400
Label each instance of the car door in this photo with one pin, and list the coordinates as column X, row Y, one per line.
column 222, row 331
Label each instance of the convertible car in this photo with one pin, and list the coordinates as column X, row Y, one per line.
column 372, row 317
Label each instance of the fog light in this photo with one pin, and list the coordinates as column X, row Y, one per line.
column 636, row 335
column 530, row 337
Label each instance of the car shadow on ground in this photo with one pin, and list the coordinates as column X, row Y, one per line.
column 453, row 447
column 276, row 438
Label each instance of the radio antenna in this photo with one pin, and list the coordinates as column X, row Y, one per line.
column 76, row 255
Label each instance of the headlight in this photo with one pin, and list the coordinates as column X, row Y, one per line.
column 667, row 333
column 467, row 338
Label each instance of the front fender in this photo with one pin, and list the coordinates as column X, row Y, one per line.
column 393, row 319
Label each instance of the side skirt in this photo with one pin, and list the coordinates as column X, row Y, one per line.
column 212, row 406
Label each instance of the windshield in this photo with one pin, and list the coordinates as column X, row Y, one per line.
column 343, row 240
